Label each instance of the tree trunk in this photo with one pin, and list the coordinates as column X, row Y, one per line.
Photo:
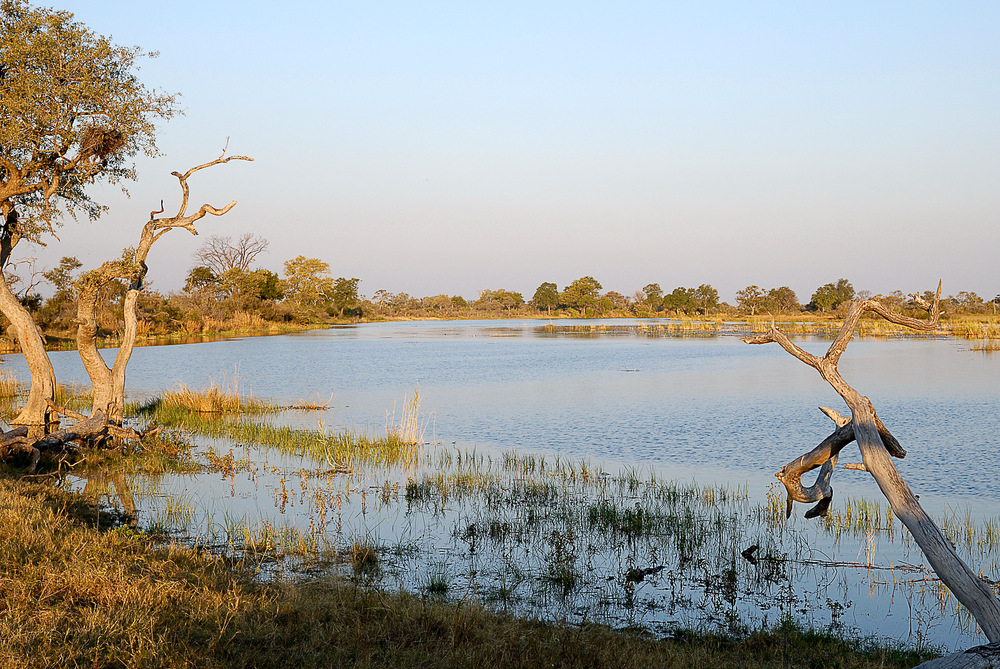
column 35, row 413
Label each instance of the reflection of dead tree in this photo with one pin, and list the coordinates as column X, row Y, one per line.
column 877, row 444
column 109, row 383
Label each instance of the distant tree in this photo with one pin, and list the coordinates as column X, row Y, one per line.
column 307, row 281
column 345, row 294
column 616, row 300
column 832, row 295
column 652, row 295
column 680, row 300
column 496, row 300
column 201, row 279
column 751, row 299
column 269, row 286
column 222, row 254
column 546, row 297
column 581, row 294
column 782, row 300
column 705, row 298
column 459, row 302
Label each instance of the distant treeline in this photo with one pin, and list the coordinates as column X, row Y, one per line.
column 224, row 292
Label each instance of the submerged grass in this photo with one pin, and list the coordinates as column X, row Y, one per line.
column 74, row 595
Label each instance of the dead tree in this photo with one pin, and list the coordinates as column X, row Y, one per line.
column 877, row 445
column 109, row 382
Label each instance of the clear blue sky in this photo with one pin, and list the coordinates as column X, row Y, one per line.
column 450, row 147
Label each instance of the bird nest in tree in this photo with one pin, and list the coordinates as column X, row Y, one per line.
column 100, row 141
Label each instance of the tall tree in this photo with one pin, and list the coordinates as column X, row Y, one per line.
column 705, row 297
column 653, row 296
column 581, row 294
column 546, row 297
column 751, row 299
column 308, row 282
column 832, row 295
column 72, row 113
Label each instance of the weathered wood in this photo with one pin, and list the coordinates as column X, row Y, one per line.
column 875, row 447
column 979, row 657
column 109, row 382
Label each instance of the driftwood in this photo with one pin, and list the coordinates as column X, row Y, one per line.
column 876, row 445
column 93, row 428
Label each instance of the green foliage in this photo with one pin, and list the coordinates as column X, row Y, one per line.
column 72, row 112
column 751, row 299
column 581, row 294
column 200, row 278
column 546, row 297
column 495, row 300
column 345, row 295
column 782, row 300
column 705, row 297
column 680, row 300
column 308, row 282
column 653, row 296
column 832, row 295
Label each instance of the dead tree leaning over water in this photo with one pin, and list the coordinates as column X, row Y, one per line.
column 877, row 444
column 109, row 383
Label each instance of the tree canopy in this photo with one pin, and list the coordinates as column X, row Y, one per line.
column 72, row 112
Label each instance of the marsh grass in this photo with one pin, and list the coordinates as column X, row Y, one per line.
column 75, row 595
column 216, row 400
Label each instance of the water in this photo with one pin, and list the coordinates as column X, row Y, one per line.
column 709, row 409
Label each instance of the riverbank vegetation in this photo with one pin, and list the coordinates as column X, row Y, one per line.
column 227, row 296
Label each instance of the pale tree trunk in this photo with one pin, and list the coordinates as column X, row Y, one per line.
column 109, row 382
column 35, row 414
column 876, row 445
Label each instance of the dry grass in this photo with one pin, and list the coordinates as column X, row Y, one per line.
column 73, row 593
column 216, row 400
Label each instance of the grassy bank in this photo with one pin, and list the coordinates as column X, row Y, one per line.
column 80, row 589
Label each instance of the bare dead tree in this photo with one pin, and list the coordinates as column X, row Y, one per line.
column 222, row 254
column 109, row 382
column 877, row 445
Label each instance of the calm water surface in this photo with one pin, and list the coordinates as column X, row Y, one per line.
column 710, row 408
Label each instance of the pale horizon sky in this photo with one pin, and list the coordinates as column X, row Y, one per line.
column 449, row 147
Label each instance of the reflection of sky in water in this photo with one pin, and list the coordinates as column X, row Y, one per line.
column 712, row 408
column 709, row 409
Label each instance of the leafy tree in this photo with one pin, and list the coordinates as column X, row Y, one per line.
column 495, row 300
column 269, row 285
column 831, row 295
column 751, row 299
column 581, row 294
column 546, row 297
column 459, row 302
column 345, row 294
column 782, row 300
column 72, row 114
column 201, row 279
column 308, row 283
column 653, row 296
column 680, row 300
column 705, row 297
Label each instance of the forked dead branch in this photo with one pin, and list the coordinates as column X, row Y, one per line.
column 877, row 445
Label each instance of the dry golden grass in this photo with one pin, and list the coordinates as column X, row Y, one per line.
column 215, row 400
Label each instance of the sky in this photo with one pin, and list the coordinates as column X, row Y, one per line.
column 450, row 147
